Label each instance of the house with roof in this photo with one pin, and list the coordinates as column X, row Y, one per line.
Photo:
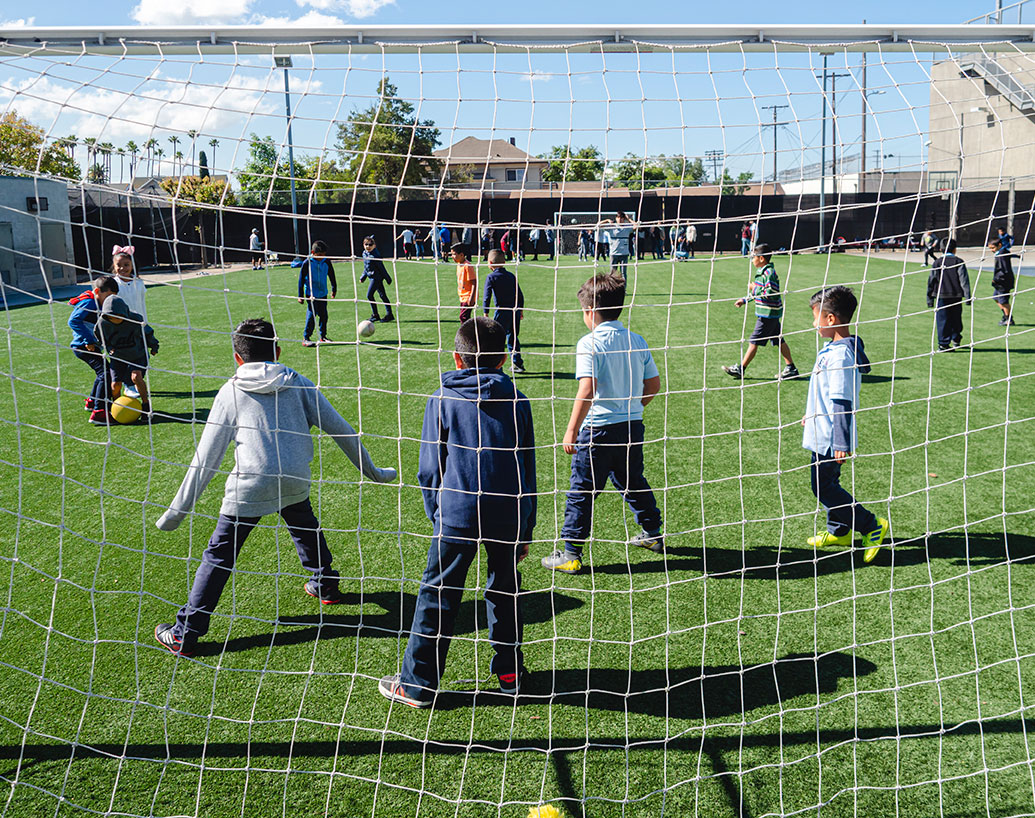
column 491, row 163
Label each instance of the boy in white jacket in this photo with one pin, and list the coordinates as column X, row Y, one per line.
column 267, row 411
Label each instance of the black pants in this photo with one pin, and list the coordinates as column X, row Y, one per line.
column 948, row 319
column 929, row 251
column 317, row 310
column 100, row 392
column 377, row 287
column 438, row 603
column 844, row 514
column 614, row 451
column 220, row 555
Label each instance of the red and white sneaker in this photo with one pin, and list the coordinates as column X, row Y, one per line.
column 392, row 690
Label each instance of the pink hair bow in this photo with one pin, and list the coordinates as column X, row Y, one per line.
column 129, row 250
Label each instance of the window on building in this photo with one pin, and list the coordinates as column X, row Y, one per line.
column 515, row 174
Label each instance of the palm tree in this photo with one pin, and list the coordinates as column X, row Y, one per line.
column 105, row 150
column 178, row 158
column 91, row 150
column 132, row 148
column 150, row 145
column 193, row 141
column 159, row 153
column 174, row 141
column 122, row 163
column 213, row 143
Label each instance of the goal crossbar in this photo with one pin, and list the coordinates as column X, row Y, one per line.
column 569, row 38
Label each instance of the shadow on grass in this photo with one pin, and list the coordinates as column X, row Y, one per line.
column 555, row 376
column 197, row 393
column 199, row 416
column 393, row 621
column 679, row 692
column 1013, row 350
column 883, row 378
column 769, row 563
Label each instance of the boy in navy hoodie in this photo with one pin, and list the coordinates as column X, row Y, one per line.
column 830, row 421
column 312, row 290
column 501, row 286
column 374, row 270
column 86, row 310
column 477, row 473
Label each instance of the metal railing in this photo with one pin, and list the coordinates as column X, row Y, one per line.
column 999, row 77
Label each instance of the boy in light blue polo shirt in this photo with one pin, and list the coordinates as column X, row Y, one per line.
column 830, row 421
column 617, row 378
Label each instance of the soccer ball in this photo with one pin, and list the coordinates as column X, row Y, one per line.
column 126, row 409
column 365, row 329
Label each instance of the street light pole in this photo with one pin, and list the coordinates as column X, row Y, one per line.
column 774, row 109
column 823, row 164
column 285, row 63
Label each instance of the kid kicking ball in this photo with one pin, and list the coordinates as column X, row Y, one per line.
column 126, row 409
column 365, row 329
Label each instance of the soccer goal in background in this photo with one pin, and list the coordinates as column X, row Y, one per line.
column 740, row 672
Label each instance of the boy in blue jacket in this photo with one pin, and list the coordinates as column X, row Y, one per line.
column 829, row 421
column 501, row 286
column 477, row 473
column 312, row 288
column 86, row 310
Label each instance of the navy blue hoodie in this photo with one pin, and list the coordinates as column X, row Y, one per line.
column 477, row 458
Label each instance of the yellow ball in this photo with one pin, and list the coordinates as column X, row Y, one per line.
column 126, row 409
column 544, row 811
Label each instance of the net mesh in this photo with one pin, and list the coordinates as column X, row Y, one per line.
column 742, row 671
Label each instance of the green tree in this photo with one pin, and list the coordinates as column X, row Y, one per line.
column 202, row 165
column 267, row 177
column 23, row 147
column 191, row 191
column 96, row 174
column 682, row 171
column 578, row 165
column 385, row 145
column 735, row 187
column 637, row 173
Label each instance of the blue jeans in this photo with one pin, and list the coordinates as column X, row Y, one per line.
column 217, row 563
column 745, row 247
column 843, row 513
column 512, row 326
column 377, row 287
column 438, row 603
column 100, row 392
column 620, row 264
column 616, row 452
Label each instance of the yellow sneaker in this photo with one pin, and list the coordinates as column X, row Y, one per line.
column 826, row 538
column 563, row 562
column 875, row 539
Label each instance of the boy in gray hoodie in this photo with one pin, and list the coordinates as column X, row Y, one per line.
column 267, row 411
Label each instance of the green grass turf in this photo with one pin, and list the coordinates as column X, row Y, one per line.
column 741, row 674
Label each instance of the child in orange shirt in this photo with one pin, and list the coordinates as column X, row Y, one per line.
column 466, row 281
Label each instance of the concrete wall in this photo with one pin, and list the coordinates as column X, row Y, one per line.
column 26, row 263
column 998, row 140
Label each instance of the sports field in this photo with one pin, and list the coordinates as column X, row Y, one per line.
column 740, row 674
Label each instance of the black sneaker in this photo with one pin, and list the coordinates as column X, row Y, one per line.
column 373, row 319
column 167, row 638
column 510, row 683
column 325, row 590
column 388, row 318
column 789, row 372
column 734, row 371
column 651, row 541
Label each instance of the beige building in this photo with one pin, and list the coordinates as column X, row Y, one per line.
column 982, row 122
column 495, row 164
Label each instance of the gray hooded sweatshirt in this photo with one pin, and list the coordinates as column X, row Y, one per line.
column 266, row 410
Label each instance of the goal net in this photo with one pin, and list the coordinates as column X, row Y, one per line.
column 742, row 656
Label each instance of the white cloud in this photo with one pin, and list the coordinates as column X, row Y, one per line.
column 353, row 8
column 190, row 12
column 311, row 19
column 536, row 75
column 21, row 22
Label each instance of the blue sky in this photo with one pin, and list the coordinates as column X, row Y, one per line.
column 625, row 103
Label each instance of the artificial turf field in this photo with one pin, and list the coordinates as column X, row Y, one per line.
column 740, row 674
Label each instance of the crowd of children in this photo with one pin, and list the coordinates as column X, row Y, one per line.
column 476, row 465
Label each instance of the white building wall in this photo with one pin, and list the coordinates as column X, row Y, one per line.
column 32, row 268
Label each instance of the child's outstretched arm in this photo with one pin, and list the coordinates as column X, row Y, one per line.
column 216, row 437
column 324, row 416
column 583, row 401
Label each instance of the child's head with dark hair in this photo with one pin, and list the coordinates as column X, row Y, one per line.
column 838, row 301
column 122, row 265
column 995, row 242
column 106, row 284
column 604, row 295
column 459, row 252
column 762, row 251
column 949, row 246
column 1001, row 230
column 255, row 340
column 480, row 343
column 497, row 258
column 319, row 248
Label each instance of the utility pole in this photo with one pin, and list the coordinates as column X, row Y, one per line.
column 833, row 125
column 715, row 157
column 823, row 164
column 862, row 153
column 285, row 63
column 774, row 109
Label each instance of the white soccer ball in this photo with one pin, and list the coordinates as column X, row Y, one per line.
column 365, row 329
